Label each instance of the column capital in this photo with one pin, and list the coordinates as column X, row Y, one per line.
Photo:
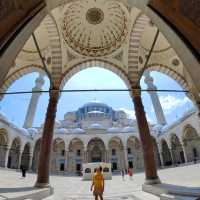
column 136, row 91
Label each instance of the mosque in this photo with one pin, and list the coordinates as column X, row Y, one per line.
column 98, row 133
column 131, row 38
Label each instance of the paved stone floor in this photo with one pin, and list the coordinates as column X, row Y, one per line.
column 73, row 188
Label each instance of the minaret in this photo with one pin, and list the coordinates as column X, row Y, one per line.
column 155, row 99
column 39, row 82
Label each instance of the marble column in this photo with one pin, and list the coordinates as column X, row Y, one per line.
column 145, row 137
column 7, row 155
column 19, row 159
column 30, row 160
column 84, row 156
column 125, row 158
column 108, row 156
column 184, row 152
column 66, row 159
column 46, row 141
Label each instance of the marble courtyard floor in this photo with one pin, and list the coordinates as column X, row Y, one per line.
column 73, row 188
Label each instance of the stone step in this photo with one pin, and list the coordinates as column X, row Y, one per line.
column 176, row 197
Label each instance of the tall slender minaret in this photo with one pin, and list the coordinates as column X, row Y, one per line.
column 155, row 99
column 39, row 82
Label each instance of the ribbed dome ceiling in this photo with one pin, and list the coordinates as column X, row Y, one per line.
column 95, row 28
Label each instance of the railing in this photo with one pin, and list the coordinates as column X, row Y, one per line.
column 14, row 14
column 184, row 16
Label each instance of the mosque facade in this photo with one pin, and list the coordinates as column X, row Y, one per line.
column 98, row 133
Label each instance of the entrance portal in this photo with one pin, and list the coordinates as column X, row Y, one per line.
column 96, row 150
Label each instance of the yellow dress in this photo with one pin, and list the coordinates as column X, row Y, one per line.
column 98, row 180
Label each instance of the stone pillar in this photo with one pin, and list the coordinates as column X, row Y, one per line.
column 20, row 159
column 125, row 158
column 46, row 141
column 185, row 153
column 30, row 161
column 6, row 155
column 146, row 140
column 84, row 156
column 66, row 159
column 107, row 156
column 172, row 155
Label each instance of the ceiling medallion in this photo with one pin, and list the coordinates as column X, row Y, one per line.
column 94, row 16
column 111, row 27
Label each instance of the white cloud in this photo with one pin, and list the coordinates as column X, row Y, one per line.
column 170, row 103
column 130, row 113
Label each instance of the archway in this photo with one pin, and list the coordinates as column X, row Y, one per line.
column 134, row 154
column 25, row 161
column 177, row 150
column 58, row 155
column 166, row 154
column 118, row 70
column 116, row 154
column 76, row 155
column 156, row 152
column 16, row 75
column 191, row 142
column 3, row 147
column 36, row 155
column 14, row 154
column 96, row 150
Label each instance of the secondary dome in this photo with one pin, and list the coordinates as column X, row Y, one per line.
column 95, row 28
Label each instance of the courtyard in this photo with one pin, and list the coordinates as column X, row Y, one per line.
column 73, row 188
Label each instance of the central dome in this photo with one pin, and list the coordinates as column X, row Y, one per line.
column 95, row 28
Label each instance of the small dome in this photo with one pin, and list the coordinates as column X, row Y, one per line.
column 95, row 103
column 57, row 124
column 77, row 131
column 70, row 116
column 62, row 131
column 128, row 129
column 32, row 131
column 113, row 130
column 24, row 131
column 96, row 126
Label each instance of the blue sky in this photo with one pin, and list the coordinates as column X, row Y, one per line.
column 15, row 106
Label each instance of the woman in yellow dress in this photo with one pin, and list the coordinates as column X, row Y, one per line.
column 98, row 184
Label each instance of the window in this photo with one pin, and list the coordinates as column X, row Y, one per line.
column 106, row 169
column 87, row 170
column 78, row 153
column 62, row 167
column 129, row 150
column 62, row 152
column 113, row 152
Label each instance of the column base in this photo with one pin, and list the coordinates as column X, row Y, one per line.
column 42, row 185
column 152, row 181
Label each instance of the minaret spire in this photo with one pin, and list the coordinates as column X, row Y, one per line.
column 39, row 82
column 155, row 99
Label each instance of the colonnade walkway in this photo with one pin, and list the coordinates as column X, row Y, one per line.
column 73, row 188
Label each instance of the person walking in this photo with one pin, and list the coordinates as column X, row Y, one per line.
column 23, row 170
column 98, row 184
column 130, row 173
column 123, row 174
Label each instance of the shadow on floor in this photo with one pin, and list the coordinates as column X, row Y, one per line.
column 18, row 189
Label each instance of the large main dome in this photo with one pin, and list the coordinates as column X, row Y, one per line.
column 95, row 27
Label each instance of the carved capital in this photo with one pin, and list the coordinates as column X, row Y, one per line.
column 136, row 92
